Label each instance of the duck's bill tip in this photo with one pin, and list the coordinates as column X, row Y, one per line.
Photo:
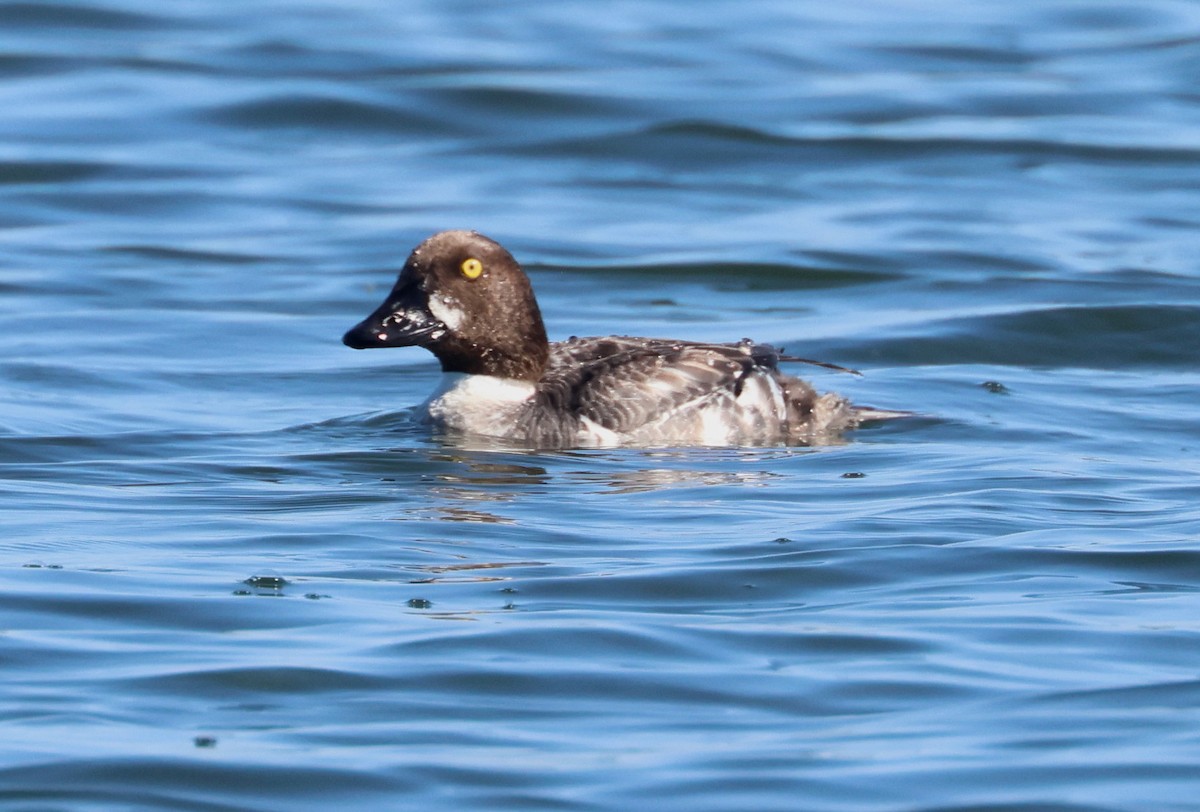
column 394, row 330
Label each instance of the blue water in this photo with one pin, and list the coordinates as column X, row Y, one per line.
column 233, row 576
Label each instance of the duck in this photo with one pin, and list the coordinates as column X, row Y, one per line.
column 463, row 297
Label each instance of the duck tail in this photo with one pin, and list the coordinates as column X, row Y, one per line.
column 864, row 414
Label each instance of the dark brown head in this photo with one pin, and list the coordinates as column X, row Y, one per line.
column 465, row 299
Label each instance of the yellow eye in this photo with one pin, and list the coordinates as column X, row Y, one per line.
column 472, row 268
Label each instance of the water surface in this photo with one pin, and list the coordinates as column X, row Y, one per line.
column 234, row 576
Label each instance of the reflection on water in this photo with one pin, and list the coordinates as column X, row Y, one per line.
column 458, row 514
column 471, row 568
column 475, row 479
column 655, row 479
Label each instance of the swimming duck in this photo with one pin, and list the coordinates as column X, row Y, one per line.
column 463, row 297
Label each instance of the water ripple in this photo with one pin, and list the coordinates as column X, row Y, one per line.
column 235, row 574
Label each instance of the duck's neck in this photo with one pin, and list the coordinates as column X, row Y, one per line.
column 521, row 358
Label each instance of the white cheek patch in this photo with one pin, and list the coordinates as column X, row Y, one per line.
column 446, row 310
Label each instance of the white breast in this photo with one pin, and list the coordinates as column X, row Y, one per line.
column 477, row 404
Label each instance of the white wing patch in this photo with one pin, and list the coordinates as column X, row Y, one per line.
column 593, row 435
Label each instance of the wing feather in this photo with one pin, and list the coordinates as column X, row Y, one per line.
column 623, row 383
